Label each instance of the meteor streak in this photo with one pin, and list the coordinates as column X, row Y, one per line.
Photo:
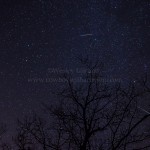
column 86, row 34
column 144, row 110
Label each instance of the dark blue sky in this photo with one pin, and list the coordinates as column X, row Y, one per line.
column 36, row 35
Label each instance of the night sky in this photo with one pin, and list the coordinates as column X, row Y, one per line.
column 38, row 35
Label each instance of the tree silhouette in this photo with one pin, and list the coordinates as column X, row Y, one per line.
column 94, row 115
column 23, row 139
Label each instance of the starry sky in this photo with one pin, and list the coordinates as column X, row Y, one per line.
column 38, row 35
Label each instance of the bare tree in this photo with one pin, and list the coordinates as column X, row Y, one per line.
column 34, row 129
column 92, row 109
column 23, row 139
column 94, row 115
